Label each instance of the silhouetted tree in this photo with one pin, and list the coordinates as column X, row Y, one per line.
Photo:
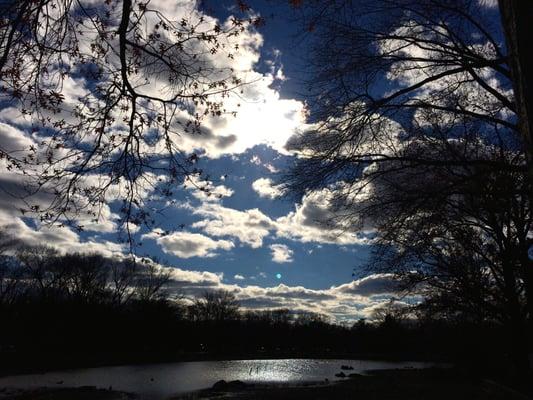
column 416, row 135
column 43, row 274
column 149, row 281
column 215, row 306
column 516, row 16
column 122, row 279
column 460, row 243
column 109, row 88
column 10, row 275
column 72, row 325
column 311, row 319
column 87, row 276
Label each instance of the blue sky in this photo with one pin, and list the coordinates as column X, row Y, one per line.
column 312, row 263
column 270, row 249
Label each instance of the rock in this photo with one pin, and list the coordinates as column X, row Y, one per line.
column 220, row 385
column 340, row 375
column 346, row 367
column 228, row 386
column 237, row 384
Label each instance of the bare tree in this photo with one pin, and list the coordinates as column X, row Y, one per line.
column 447, row 115
column 460, row 243
column 10, row 275
column 110, row 87
column 149, row 281
column 516, row 16
column 87, row 276
column 40, row 269
column 122, row 278
column 215, row 306
column 388, row 72
column 416, row 133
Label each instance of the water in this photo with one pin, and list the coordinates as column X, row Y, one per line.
column 161, row 381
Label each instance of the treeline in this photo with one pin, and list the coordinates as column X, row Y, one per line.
column 68, row 310
column 42, row 274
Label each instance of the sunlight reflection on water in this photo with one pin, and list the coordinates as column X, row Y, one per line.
column 160, row 381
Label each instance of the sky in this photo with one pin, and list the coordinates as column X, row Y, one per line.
column 270, row 249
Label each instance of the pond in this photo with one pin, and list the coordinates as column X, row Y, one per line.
column 160, row 381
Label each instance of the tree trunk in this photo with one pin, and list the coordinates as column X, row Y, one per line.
column 516, row 329
column 527, row 276
column 517, row 17
column 517, row 21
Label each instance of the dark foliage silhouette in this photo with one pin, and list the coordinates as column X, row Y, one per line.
column 61, row 311
column 418, row 138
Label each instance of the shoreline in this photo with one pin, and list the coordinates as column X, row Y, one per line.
column 76, row 393
column 68, row 365
column 404, row 384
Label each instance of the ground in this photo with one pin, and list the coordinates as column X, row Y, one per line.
column 382, row 385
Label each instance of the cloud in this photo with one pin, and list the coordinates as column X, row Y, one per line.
column 191, row 283
column 281, row 253
column 488, row 3
column 16, row 201
column 343, row 303
column 187, row 244
column 13, row 141
column 376, row 284
column 266, row 188
column 249, row 226
column 263, row 117
column 314, row 220
column 205, row 190
column 255, row 107
column 260, row 107
column 346, row 302
column 63, row 239
column 317, row 219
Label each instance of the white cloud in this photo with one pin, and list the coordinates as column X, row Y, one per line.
column 63, row 239
column 262, row 116
column 238, row 277
column 260, row 107
column 266, row 188
column 314, row 220
column 15, row 200
column 281, row 253
column 13, row 141
column 488, row 3
column 375, row 284
column 336, row 302
column 249, row 226
column 206, row 190
column 187, row 244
